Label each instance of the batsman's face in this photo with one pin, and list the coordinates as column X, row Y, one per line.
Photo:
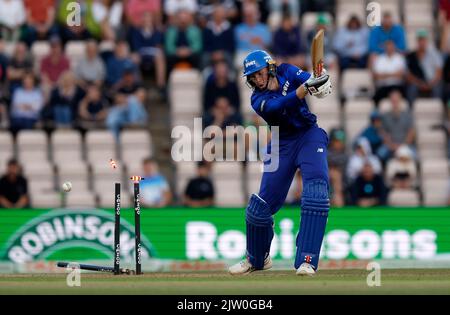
column 260, row 78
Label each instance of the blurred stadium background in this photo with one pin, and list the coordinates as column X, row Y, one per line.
column 73, row 97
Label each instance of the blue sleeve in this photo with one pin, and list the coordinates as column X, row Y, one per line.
column 271, row 104
column 373, row 41
column 400, row 38
column 295, row 74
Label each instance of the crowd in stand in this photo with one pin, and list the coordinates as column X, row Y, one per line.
column 153, row 37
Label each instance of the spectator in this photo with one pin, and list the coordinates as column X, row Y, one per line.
column 200, row 189
column 40, row 21
column 12, row 17
column 389, row 70
column 323, row 23
column 219, row 84
column 130, row 86
column 401, row 171
column 368, row 190
column 337, row 161
column 91, row 68
column 183, row 41
column 207, row 9
column 398, row 126
column 374, row 132
column 27, row 103
column 147, row 43
column 218, row 38
column 72, row 31
column 20, row 64
column 447, row 129
column 172, row 7
column 105, row 18
column 64, row 100
column 135, row 10
column 222, row 114
column 93, row 109
column 287, row 43
column 362, row 154
column 13, row 187
column 116, row 64
column 351, row 43
column 386, row 31
column 250, row 34
column 155, row 191
column 444, row 24
column 424, row 70
column 446, row 78
column 280, row 9
column 53, row 65
column 126, row 111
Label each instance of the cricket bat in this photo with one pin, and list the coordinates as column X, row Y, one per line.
column 317, row 53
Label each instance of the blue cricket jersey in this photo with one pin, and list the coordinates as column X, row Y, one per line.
column 282, row 107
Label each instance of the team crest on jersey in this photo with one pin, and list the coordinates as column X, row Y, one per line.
column 285, row 88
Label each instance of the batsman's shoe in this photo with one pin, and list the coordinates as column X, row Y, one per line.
column 305, row 269
column 245, row 267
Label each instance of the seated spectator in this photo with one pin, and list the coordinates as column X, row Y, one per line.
column 53, row 66
column 287, row 43
column 91, row 68
column 126, row 111
column 388, row 30
column 279, row 9
column 147, row 43
column 446, row 77
column 368, row 190
column 104, row 18
column 40, row 21
column 13, row 187
column 323, row 23
column 154, row 189
column 3, row 61
column 337, row 161
column 374, row 132
column 401, row 171
column 183, row 42
column 389, row 70
column 130, row 85
column 64, row 99
column 351, row 43
column 218, row 38
column 361, row 155
column 200, row 189
column 117, row 63
column 207, row 8
column 398, row 126
column 26, row 105
column 219, row 84
column 93, row 109
column 172, row 7
column 19, row 64
column 135, row 10
column 251, row 34
column 12, row 17
column 222, row 114
column 72, row 31
column 424, row 70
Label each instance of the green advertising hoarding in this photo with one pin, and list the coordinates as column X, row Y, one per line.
column 218, row 234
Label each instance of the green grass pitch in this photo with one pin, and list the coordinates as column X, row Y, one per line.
column 410, row 281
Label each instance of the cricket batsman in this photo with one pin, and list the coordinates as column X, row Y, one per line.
column 279, row 98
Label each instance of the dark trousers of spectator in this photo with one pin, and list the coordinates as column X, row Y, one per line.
column 20, row 123
column 193, row 60
column 414, row 92
column 384, row 91
column 30, row 34
column 350, row 62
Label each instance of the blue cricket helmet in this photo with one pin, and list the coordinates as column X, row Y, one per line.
column 255, row 61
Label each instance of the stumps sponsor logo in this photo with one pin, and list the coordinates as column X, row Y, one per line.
column 69, row 231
